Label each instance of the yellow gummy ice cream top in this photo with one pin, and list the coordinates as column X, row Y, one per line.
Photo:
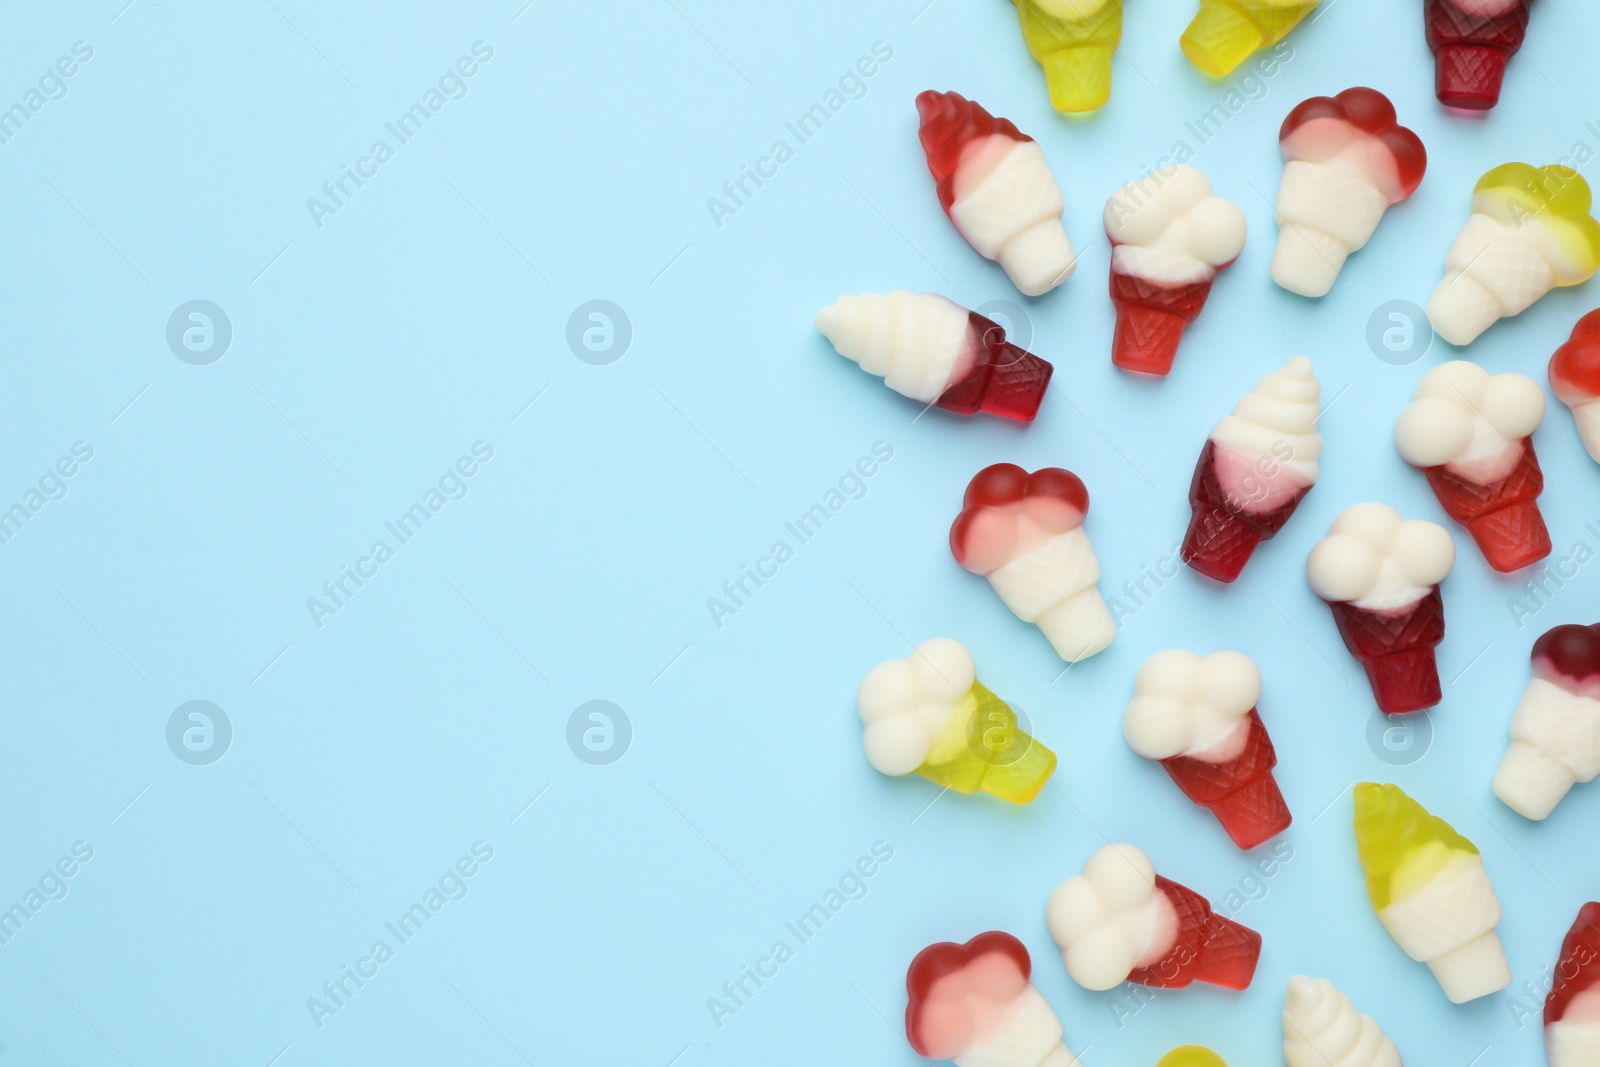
column 1073, row 41
column 1554, row 198
column 1225, row 32
column 1192, row 1056
column 1402, row 847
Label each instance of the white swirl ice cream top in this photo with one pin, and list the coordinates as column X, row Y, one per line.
column 1269, row 448
column 1469, row 420
column 905, row 703
column 1171, row 229
column 915, row 342
column 1322, row 1028
column 1186, row 705
column 1111, row 918
column 1379, row 561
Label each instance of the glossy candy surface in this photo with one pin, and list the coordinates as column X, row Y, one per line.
column 1572, row 1008
column 1530, row 231
column 928, row 714
column 1431, row 892
column 1198, row 717
column 1575, row 379
column 1472, row 40
column 1322, row 1028
column 994, row 184
column 1169, row 237
column 937, row 352
column 1119, row 922
column 1225, row 32
column 1256, row 466
column 1192, row 1056
column 1471, row 432
column 1024, row 532
column 1380, row 575
column 1346, row 160
column 1073, row 41
column 1555, row 730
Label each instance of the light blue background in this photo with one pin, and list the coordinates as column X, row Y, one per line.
column 426, row 315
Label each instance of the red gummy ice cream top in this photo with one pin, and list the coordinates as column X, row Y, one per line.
column 1008, row 511
column 959, row 992
column 1327, row 126
column 1575, row 368
column 1578, row 969
column 1569, row 656
column 949, row 123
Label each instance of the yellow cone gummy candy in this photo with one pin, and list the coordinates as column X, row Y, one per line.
column 1530, row 231
column 1192, row 1056
column 1225, row 32
column 1073, row 41
column 929, row 714
column 1430, row 891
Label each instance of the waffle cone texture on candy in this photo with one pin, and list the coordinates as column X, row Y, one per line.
column 1073, row 41
column 1224, row 32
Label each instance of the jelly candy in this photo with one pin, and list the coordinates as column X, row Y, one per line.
column 1345, row 161
column 1169, row 237
column 1429, row 888
column 1024, row 532
column 1469, row 432
column 1572, row 1009
column 996, row 187
column 1555, row 731
column 1255, row 468
column 1073, row 41
column 1380, row 574
column 1575, row 379
column 1198, row 717
column 1225, row 32
column 1192, row 1056
column 1471, row 41
column 935, row 351
column 1530, row 231
column 929, row 714
column 1321, row 1028
column 974, row 1004
column 1119, row 922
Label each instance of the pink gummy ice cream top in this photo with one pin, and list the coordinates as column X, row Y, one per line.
column 1008, row 512
column 960, row 995
column 1357, row 128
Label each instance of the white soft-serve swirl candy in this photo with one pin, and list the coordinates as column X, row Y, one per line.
column 1271, row 441
column 1321, row 1028
column 905, row 703
column 1185, row 705
column 1469, row 420
column 1171, row 229
column 1378, row 561
column 1111, row 918
column 916, row 342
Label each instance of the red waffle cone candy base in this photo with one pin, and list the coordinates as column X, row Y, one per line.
column 1241, row 793
column 1005, row 380
column 1578, row 969
column 1470, row 51
column 1396, row 650
column 1150, row 320
column 1504, row 517
column 1209, row 948
column 1222, row 535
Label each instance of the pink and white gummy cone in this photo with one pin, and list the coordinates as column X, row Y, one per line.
column 1169, row 238
column 1555, row 731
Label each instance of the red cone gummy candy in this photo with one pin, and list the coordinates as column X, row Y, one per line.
column 1380, row 575
column 1198, row 718
column 996, row 187
column 1472, row 40
column 1572, row 1010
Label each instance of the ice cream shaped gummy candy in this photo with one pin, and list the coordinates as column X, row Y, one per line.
column 1470, row 432
column 1555, row 731
column 974, row 1004
column 1169, row 238
column 1192, row 1056
column 1346, row 159
column 937, row 352
column 1575, row 379
column 1225, row 32
column 1256, row 467
column 1572, row 1009
column 1198, row 717
column 1431, row 892
column 1119, row 922
column 1024, row 532
column 996, row 187
column 929, row 714
column 1530, row 231
column 1380, row 574
column 1321, row 1028
column 1471, row 41
column 1073, row 41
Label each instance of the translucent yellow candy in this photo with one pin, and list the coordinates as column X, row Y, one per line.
column 1073, row 41
column 1401, row 845
column 1225, row 32
column 982, row 748
column 1192, row 1056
